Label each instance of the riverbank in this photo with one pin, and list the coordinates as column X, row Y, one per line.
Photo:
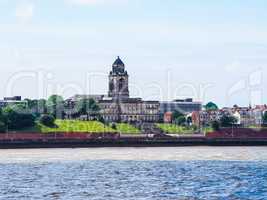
column 133, row 142
column 224, row 137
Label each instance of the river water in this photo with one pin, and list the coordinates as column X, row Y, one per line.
column 134, row 173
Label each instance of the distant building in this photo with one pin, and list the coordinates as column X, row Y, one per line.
column 15, row 98
column 12, row 101
column 184, row 106
column 246, row 116
column 72, row 101
column 167, row 117
column 78, row 97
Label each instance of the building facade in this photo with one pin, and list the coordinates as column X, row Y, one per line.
column 119, row 106
column 184, row 106
column 130, row 110
column 245, row 116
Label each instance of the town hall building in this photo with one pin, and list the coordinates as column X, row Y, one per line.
column 118, row 106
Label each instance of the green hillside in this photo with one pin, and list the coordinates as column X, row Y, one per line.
column 77, row 126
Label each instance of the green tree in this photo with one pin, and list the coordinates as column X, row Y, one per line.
column 178, row 117
column 113, row 126
column 211, row 106
column 181, row 120
column 227, row 121
column 215, row 125
column 47, row 120
column 2, row 118
column 16, row 117
column 88, row 107
column 176, row 114
column 29, row 102
column 37, row 107
column 18, row 108
column 41, row 104
column 2, row 127
column 2, row 122
column 55, row 106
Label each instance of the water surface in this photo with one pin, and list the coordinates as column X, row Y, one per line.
column 134, row 173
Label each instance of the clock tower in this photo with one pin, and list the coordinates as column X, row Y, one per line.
column 118, row 80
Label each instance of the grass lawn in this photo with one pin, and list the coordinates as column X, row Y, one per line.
column 175, row 129
column 77, row 126
column 127, row 129
column 81, row 127
column 207, row 129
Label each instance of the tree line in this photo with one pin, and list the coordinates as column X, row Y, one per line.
column 19, row 116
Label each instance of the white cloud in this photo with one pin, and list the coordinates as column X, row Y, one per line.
column 93, row 2
column 24, row 12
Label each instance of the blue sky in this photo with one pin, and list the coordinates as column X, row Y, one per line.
column 210, row 50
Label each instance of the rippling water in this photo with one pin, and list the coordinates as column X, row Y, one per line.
column 129, row 173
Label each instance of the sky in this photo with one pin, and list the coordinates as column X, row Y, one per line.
column 209, row 50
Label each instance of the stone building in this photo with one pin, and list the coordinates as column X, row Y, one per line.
column 130, row 110
column 182, row 105
column 119, row 106
column 118, row 80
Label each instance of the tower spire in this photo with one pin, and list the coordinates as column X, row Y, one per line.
column 118, row 80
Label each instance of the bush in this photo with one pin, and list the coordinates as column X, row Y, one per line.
column 2, row 127
column 176, row 114
column 47, row 120
column 113, row 126
column 17, row 120
column 26, row 120
column 194, row 127
column 215, row 125
column 17, row 117
column 228, row 121
column 180, row 120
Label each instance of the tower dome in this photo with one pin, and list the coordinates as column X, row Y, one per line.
column 118, row 67
column 118, row 63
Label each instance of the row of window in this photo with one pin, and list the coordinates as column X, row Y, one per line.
column 152, row 118
column 131, row 106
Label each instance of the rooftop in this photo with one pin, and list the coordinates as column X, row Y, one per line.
column 118, row 63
